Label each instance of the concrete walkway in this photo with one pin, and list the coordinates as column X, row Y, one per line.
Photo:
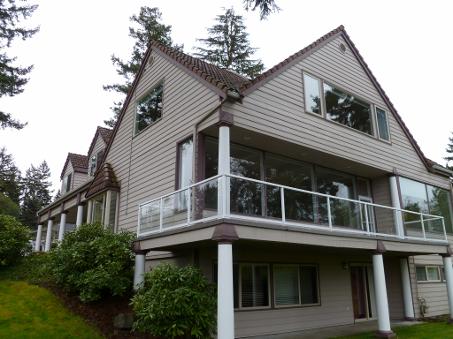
column 336, row 331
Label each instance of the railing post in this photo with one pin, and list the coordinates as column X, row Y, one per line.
column 189, row 207
column 367, row 223
column 423, row 226
column 161, row 214
column 445, row 231
column 282, row 204
column 329, row 214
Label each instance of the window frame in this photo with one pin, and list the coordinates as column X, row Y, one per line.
column 274, row 286
column 320, row 93
column 323, row 115
column 140, row 98
column 428, row 281
column 269, row 297
column 387, row 124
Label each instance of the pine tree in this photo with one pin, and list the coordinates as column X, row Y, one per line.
column 149, row 28
column 13, row 77
column 228, row 46
column 10, row 177
column 449, row 151
column 36, row 192
column 266, row 7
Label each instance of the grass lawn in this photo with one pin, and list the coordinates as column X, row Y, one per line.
column 433, row 330
column 30, row 311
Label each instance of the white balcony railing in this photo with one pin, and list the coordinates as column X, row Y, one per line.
column 240, row 198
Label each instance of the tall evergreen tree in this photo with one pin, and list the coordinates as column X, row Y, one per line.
column 147, row 27
column 36, row 192
column 266, row 7
column 449, row 151
column 228, row 46
column 13, row 77
column 10, row 177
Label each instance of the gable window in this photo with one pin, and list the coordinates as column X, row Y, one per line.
column 347, row 110
column 382, row 124
column 185, row 155
column 67, row 183
column 149, row 108
column 312, row 94
column 95, row 161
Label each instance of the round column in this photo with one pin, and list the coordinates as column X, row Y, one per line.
column 62, row 226
column 139, row 269
column 79, row 219
column 48, row 235
column 38, row 238
column 407, row 290
column 448, row 269
column 382, row 306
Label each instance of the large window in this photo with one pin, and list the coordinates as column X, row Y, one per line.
column 422, row 198
column 347, row 110
column 67, row 181
column 344, row 108
column 185, row 156
column 295, row 285
column 254, row 285
column 149, row 109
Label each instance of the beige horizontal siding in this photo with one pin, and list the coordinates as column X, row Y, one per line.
column 277, row 109
column 145, row 164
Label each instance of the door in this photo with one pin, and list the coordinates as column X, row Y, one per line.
column 362, row 300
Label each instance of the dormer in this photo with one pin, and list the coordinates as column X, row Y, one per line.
column 74, row 172
column 97, row 148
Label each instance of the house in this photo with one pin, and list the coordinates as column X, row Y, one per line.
column 301, row 193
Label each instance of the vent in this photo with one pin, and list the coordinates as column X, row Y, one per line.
column 342, row 48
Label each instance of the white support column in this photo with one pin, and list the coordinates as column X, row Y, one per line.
column 108, row 202
column 407, row 291
column 224, row 168
column 38, row 238
column 79, row 219
column 398, row 216
column 48, row 235
column 139, row 270
column 89, row 210
column 382, row 306
column 448, row 269
column 225, row 301
column 62, row 226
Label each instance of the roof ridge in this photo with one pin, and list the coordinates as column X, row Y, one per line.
column 292, row 57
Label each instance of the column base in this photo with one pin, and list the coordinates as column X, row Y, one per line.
column 450, row 321
column 384, row 334
column 409, row 319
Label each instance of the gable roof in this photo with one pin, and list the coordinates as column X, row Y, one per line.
column 79, row 163
column 221, row 78
column 226, row 81
column 105, row 133
column 104, row 179
column 260, row 80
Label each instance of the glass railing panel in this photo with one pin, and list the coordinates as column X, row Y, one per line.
column 345, row 213
column 380, row 219
column 434, row 227
column 204, row 200
column 149, row 217
column 247, row 197
column 174, row 211
column 299, row 206
column 413, row 226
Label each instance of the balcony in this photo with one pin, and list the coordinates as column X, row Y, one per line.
column 244, row 199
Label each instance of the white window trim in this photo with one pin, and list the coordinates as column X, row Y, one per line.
column 426, row 272
column 375, row 108
column 374, row 124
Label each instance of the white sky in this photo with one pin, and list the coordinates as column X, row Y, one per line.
column 407, row 44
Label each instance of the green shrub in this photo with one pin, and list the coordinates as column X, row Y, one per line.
column 34, row 268
column 93, row 262
column 14, row 240
column 175, row 302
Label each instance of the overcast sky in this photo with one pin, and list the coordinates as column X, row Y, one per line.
column 407, row 44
